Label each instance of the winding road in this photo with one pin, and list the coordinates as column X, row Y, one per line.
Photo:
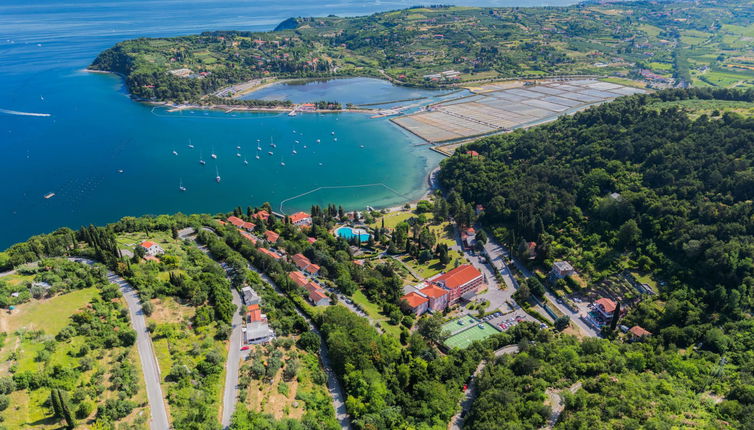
column 149, row 366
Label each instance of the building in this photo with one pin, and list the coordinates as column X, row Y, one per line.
column 263, row 215
column 257, row 333
column 305, row 264
column 415, row 303
column 438, row 298
column 248, row 226
column 637, row 333
column 238, row 222
column 271, row 236
column 468, row 237
column 270, row 253
column 249, row 296
column 301, row 219
column 604, row 309
column 561, row 269
column 460, row 281
column 249, row 237
column 319, row 298
column 151, row 248
column 254, row 314
column 298, row 278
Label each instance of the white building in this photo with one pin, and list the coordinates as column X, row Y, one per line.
column 152, row 248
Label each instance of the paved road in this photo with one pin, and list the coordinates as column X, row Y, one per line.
column 333, row 385
column 233, row 362
column 456, row 423
column 230, row 393
column 146, row 352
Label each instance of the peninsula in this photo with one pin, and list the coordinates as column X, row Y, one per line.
column 662, row 44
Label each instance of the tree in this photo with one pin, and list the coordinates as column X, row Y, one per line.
column 431, row 328
column 523, row 294
column 309, row 341
column 562, row 323
column 616, row 317
column 628, row 233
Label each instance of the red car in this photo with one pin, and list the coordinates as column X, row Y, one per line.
column 245, row 347
column 465, row 387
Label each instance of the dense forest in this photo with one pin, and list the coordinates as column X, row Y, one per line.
column 666, row 43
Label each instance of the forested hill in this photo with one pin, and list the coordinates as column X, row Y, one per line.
column 665, row 43
column 627, row 185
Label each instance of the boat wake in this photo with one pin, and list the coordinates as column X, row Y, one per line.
column 14, row 112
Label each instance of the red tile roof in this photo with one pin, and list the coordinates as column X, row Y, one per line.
column 271, row 236
column 312, row 287
column 249, row 225
column 312, row 269
column 433, row 291
column 298, row 277
column 268, row 252
column 248, row 236
column 316, row 296
column 473, row 153
column 311, row 239
column 298, row 217
column 147, row 244
column 255, row 315
column 301, row 261
column 238, row 222
column 414, row 300
column 252, row 307
column 606, row 304
column 639, row 331
column 262, row 215
column 459, row 276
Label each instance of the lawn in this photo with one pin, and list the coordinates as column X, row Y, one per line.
column 50, row 315
column 375, row 314
column 392, row 219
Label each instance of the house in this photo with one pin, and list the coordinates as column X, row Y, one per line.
column 304, row 264
column 468, row 237
column 298, row 278
column 238, row 222
column 531, row 250
column 248, row 226
column 319, row 298
column 311, row 239
column 473, row 154
column 254, row 314
column 263, row 215
column 250, row 238
column 561, row 269
column 301, row 219
column 257, row 333
column 270, row 253
column 604, row 308
column 459, row 281
column 249, row 296
column 151, row 248
column 415, row 303
column 637, row 333
column 438, row 298
column 271, row 236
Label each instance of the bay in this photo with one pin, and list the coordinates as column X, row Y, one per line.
column 94, row 130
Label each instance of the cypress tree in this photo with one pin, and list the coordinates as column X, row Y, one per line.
column 55, row 401
column 616, row 316
column 65, row 409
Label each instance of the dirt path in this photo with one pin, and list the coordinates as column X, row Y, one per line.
column 555, row 400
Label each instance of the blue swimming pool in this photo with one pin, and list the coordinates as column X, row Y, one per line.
column 348, row 233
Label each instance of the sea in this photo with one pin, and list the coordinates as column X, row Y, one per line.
column 77, row 134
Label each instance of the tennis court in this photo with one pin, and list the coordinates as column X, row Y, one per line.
column 465, row 338
column 459, row 324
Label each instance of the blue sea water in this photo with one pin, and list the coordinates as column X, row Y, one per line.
column 94, row 130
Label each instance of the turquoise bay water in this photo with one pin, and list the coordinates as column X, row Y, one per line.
column 94, row 129
column 356, row 91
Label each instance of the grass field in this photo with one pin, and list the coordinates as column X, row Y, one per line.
column 50, row 315
column 392, row 219
column 696, row 108
column 374, row 313
column 466, row 337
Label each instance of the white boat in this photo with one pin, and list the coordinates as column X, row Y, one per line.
column 318, row 141
column 175, row 152
column 269, row 152
column 181, row 187
column 297, row 141
column 238, row 154
column 120, row 170
column 238, row 147
column 217, row 177
column 333, row 133
column 272, row 144
column 294, row 152
column 334, row 139
column 305, row 146
column 245, row 161
column 213, row 155
column 282, row 163
column 190, row 145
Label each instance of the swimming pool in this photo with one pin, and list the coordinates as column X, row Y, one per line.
column 348, row 233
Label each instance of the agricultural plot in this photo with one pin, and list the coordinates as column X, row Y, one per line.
column 499, row 107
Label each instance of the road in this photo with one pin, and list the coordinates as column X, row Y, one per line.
column 499, row 256
column 233, row 362
column 333, row 385
column 230, row 392
column 149, row 364
column 456, row 423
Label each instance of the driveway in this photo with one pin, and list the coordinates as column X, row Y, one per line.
column 230, row 392
column 149, row 365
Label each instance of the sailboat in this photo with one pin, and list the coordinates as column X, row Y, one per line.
column 213, row 155
column 201, row 161
column 245, row 162
column 318, row 140
column 190, row 145
column 258, row 149
column 180, row 186
column 217, row 177
column 272, row 144
column 175, row 152
column 238, row 147
column 238, row 154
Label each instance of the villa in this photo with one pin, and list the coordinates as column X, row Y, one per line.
column 304, row 264
column 561, row 269
column 298, row 278
column 637, row 333
column 270, row 253
column 301, row 219
column 263, row 215
column 151, row 249
column 249, row 237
